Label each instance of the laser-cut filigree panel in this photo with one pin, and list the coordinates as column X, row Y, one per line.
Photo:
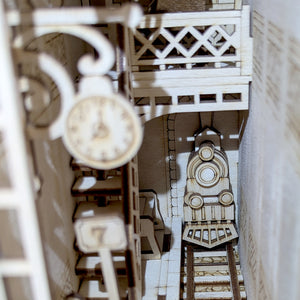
column 206, row 40
column 91, row 81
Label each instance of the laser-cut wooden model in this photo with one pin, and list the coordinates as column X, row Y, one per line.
column 152, row 226
column 208, row 200
column 143, row 68
column 103, row 131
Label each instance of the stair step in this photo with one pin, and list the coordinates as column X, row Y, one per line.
column 90, row 186
column 91, row 209
column 95, row 289
column 91, row 265
column 147, row 252
column 146, row 206
column 78, row 165
column 149, row 207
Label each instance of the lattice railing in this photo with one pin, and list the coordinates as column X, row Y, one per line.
column 191, row 62
column 198, row 40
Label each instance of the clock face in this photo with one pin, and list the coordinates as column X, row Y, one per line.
column 103, row 132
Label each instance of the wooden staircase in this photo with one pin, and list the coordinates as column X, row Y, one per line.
column 100, row 194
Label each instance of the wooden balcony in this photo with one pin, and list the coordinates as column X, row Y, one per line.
column 185, row 62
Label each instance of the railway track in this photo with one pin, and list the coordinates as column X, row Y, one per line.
column 211, row 275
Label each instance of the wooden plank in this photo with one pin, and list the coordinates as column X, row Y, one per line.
column 190, row 273
column 9, row 199
column 225, row 6
column 109, row 274
column 91, row 209
column 234, row 283
column 213, row 279
column 192, row 90
column 246, row 42
column 159, row 110
column 238, row 4
column 200, row 83
column 226, row 1
column 194, row 18
column 84, row 186
column 215, row 295
column 184, row 60
column 74, row 16
column 91, row 265
column 15, row 268
column 211, row 268
column 170, row 74
column 95, row 289
column 210, row 254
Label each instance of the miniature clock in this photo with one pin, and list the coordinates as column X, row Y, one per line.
column 103, row 132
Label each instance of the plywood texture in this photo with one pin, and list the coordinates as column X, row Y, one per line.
column 269, row 157
column 180, row 5
column 55, row 205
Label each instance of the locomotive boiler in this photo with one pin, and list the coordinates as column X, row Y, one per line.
column 209, row 209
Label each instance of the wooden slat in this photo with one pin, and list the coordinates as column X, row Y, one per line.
column 9, row 199
column 212, row 268
column 95, row 289
column 209, row 254
column 187, row 74
column 91, row 265
column 203, row 82
column 195, row 18
column 91, row 209
column 213, row 279
column 214, row 295
column 190, row 273
column 15, row 267
column 234, row 282
column 85, row 186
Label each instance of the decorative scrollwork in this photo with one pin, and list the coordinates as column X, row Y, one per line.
column 90, row 67
column 87, row 65
column 64, row 84
column 91, row 86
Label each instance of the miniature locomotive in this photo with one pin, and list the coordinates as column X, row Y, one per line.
column 208, row 201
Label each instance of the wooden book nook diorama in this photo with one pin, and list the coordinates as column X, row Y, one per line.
column 208, row 200
column 180, row 57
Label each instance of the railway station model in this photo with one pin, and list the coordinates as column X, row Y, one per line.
column 123, row 133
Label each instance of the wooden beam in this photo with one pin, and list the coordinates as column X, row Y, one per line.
column 190, row 286
column 234, row 282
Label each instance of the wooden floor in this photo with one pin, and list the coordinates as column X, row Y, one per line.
column 162, row 277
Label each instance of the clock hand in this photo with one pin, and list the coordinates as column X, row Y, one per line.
column 100, row 130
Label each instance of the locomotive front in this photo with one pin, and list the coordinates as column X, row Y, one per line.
column 208, row 200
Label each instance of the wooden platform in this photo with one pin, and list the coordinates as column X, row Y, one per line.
column 90, row 186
